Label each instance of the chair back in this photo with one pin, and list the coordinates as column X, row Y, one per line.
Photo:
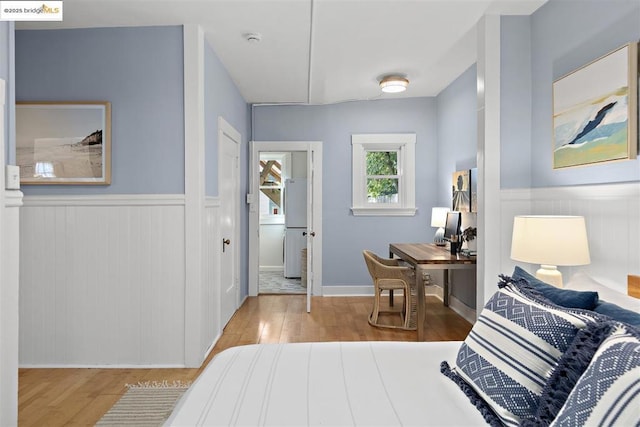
column 370, row 260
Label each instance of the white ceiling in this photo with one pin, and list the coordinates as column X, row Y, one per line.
column 316, row 51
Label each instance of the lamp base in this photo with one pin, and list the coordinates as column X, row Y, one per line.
column 438, row 239
column 550, row 274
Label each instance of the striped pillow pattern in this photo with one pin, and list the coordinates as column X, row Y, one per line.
column 608, row 393
column 512, row 350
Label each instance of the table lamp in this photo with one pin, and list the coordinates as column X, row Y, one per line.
column 439, row 219
column 550, row 240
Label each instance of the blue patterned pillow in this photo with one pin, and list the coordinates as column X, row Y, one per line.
column 512, row 350
column 608, row 393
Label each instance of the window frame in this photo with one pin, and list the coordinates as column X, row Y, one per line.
column 285, row 161
column 404, row 144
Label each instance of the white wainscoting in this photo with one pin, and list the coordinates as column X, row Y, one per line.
column 612, row 215
column 9, row 314
column 102, row 281
column 211, row 329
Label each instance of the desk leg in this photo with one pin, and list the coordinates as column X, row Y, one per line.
column 445, row 286
column 390, row 290
column 420, row 309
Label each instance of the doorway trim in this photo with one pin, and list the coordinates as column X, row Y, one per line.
column 254, row 209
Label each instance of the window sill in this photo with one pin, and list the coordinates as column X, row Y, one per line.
column 388, row 211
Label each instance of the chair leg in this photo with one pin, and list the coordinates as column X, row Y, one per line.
column 407, row 307
column 373, row 318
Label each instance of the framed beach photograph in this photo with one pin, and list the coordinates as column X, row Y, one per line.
column 595, row 111
column 461, row 191
column 64, row 143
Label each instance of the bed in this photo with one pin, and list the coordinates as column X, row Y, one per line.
column 402, row 383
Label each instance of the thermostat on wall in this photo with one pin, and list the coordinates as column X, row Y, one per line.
column 12, row 177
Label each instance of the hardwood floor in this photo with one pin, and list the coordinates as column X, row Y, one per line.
column 74, row 397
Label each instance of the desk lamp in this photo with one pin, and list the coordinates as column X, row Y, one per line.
column 439, row 219
column 550, row 240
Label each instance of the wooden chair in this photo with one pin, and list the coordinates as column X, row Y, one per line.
column 388, row 274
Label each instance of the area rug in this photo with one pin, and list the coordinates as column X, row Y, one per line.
column 145, row 404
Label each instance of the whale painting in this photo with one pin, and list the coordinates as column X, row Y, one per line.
column 594, row 117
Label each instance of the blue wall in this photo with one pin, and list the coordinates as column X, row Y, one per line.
column 140, row 71
column 457, row 131
column 345, row 236
column 222, row 98
column 566, row 35
column 6, row 74
column 515, row 102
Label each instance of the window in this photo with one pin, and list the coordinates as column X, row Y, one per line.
column 272, row 176
column 384, row 174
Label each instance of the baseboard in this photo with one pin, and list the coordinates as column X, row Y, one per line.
column 462, row 309
column 210, row 349
column 359, row 291
column 434, row 291
column 271, row 268
column 347, row 291
column 98, row 366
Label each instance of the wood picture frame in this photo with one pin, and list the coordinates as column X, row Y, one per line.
column 595, row 111
column 64, row 143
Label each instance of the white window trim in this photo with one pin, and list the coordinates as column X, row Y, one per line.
column 405, row 143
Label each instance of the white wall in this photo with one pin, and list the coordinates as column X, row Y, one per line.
column 611, row 215
column 102, row 280
column 9, row 279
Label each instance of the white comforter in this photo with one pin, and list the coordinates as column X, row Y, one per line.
column 331, row 384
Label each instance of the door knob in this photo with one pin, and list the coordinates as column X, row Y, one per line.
column 312, row 234
column 225, row 242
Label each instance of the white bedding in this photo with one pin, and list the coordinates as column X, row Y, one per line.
column 331, row 384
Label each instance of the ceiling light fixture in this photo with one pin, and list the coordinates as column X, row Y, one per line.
column 253, row 37
column 394, row 84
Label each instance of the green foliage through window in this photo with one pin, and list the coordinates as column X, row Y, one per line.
column 382, row 176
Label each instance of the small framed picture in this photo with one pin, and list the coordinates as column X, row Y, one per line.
column 64, row 143
column 461, row 191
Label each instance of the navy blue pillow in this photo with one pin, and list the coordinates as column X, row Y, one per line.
column 568, row 298
column 618, row 313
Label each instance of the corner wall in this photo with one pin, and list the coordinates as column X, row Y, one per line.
column 347, row 235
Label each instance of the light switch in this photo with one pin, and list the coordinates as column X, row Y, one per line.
column 12, row 177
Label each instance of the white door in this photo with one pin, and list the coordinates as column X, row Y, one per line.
column 313, row 231
column 229, row 193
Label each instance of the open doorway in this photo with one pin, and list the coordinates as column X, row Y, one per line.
column 283, row 214
column 311, row 152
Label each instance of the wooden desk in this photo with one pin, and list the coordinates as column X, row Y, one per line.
column 428, row 256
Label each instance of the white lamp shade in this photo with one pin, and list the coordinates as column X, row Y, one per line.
column 439, row 216
column 550, row 240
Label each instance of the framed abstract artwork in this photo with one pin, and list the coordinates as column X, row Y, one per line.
column 595, row 111
column 64, row 143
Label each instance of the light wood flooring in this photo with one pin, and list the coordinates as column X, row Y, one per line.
column 73, row 397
